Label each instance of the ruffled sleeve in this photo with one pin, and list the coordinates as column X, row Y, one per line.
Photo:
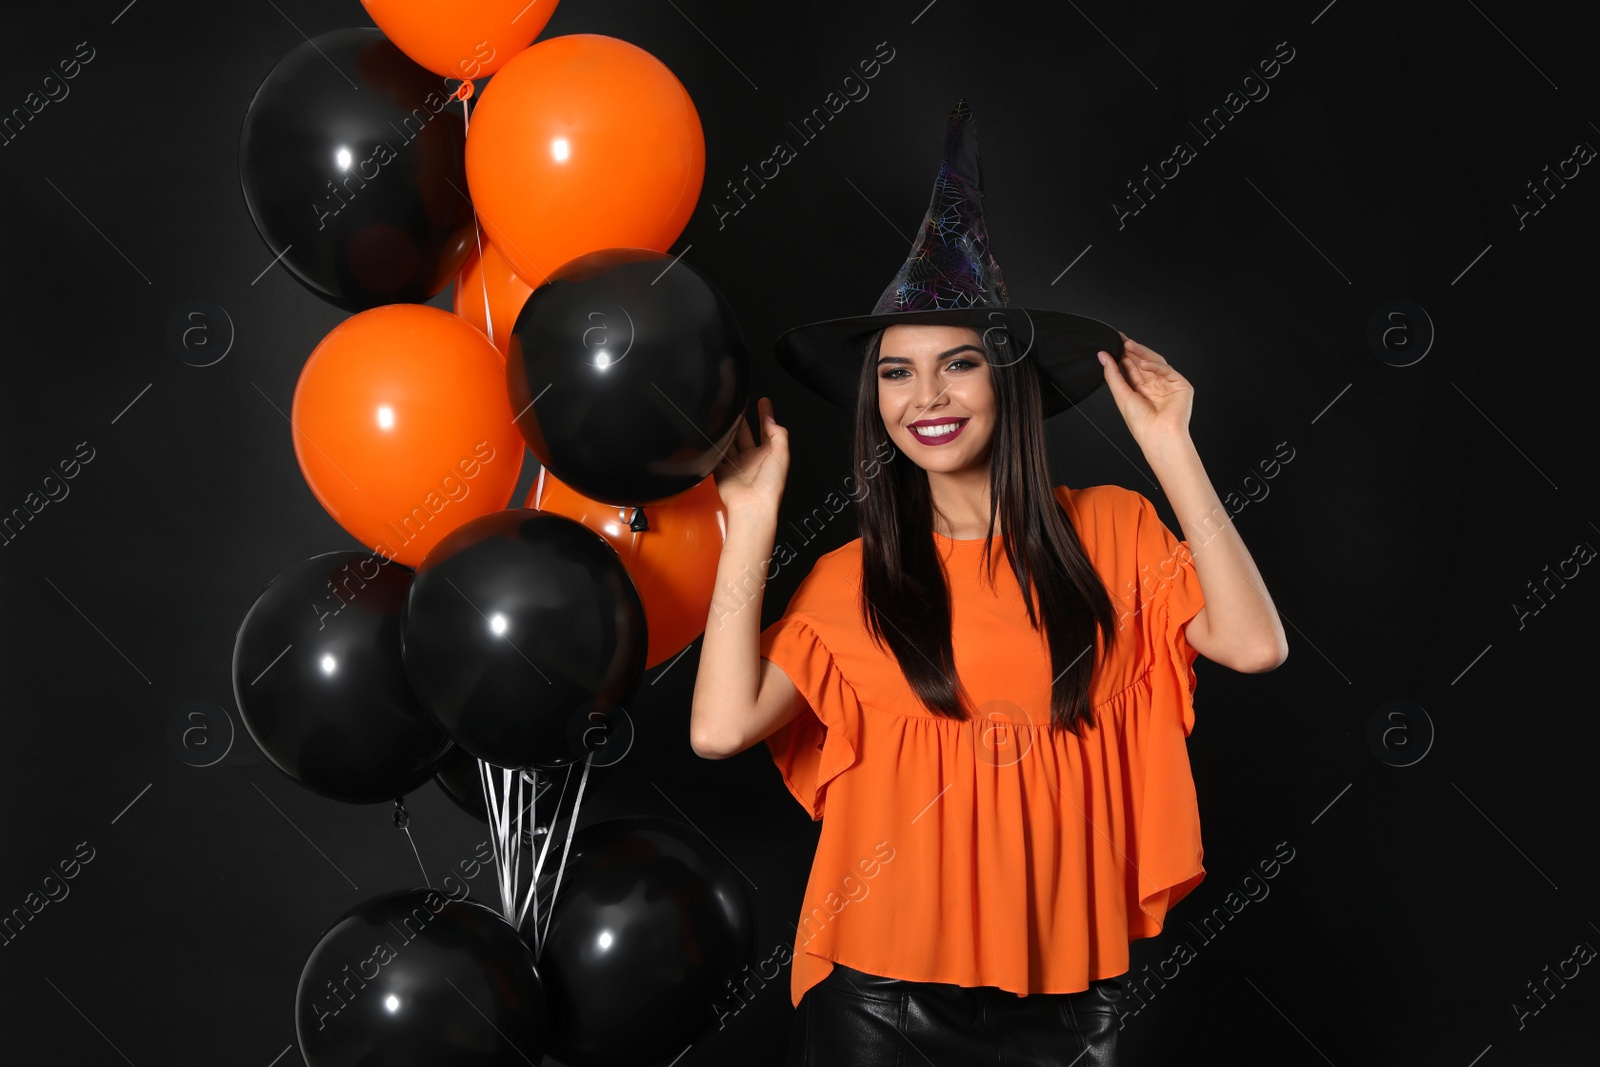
column 1169, row 851
column 823, row 740
column 1170, row 597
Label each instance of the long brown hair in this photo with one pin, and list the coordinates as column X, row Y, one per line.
column 905, row 598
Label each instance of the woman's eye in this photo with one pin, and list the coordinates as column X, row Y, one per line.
column 954, row 364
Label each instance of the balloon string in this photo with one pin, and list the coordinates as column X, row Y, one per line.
column 494, row 838
column 516, row 869
column 414, row 852
column 577, row 802
column 483, row 277
column 533, row 866
column 483, row 274
column 532, row 898
column 567, row 847
column 539, row 865
column 494, row 826
column 546, row 850
column 506, row 843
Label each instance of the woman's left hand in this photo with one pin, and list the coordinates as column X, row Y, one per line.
column 1155, row 400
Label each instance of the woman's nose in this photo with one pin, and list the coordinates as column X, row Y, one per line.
column 930, row 394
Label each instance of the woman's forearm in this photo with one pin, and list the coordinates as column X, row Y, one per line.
column 726, row 688
column 1239, row 626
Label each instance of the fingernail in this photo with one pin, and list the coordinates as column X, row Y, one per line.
column 1102, row 357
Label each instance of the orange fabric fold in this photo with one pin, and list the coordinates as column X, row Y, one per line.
column 996, row 851
column 814, row 748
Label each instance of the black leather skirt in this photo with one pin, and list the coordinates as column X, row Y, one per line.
column 855, row 1019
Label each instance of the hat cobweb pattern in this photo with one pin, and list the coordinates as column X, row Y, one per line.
column 950, row 266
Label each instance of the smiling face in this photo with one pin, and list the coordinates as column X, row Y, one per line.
column 935, row 395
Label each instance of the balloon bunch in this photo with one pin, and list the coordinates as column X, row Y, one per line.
column 496, row 649
column 653, row 921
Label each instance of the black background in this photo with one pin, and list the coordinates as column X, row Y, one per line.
column 1385, row 164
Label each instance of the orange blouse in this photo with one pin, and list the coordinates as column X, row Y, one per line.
column 995, row 851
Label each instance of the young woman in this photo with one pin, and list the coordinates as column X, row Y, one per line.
column 1006, row 779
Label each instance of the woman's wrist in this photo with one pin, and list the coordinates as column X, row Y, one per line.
column 756, row 517
column 1166, row 446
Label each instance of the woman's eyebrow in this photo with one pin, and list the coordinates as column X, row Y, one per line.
column 942, row 355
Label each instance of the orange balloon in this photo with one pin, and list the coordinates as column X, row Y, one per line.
column 461, row 38
column 505, row 289
column 403, row 429
column 673, row 563
column 581, row 143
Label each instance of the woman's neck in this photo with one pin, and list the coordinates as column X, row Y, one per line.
column 961, row 504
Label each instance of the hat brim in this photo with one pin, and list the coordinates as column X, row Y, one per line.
column 826, row 356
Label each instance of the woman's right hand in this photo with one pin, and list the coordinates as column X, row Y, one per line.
column 750, row 477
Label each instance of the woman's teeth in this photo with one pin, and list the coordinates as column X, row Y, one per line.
column 937, row 431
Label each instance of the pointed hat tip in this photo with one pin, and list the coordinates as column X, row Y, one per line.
column 963, row 123
column 961, row 131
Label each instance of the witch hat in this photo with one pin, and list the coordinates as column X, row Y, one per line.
column 951, row 278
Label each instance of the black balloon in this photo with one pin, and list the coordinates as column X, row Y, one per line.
column 518, row 625
column 321, row 685
column 420, row 978
column 650, row 924
column 352, row 160
column 640, row 372
column 458, row 779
